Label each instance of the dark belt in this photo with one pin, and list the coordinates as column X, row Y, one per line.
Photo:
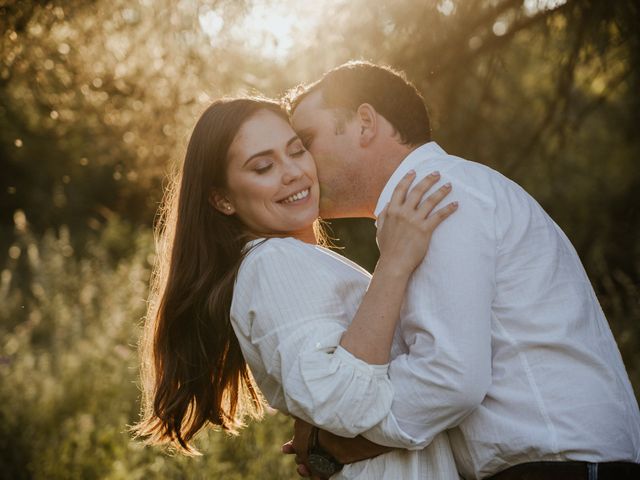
column 570, row 471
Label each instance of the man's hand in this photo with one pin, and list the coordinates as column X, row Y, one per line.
column 349, row 450
column 344, row 450
column 299, row 445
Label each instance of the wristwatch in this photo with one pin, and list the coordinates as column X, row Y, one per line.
column 320, row 462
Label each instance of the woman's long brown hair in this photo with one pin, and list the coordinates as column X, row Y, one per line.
column 193, row 371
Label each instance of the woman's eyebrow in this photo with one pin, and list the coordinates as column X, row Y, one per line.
column 270, row 151
column 259, row 154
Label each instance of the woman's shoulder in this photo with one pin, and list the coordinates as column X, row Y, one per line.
column 282, row 253
column 274, row 254
column 275, row 248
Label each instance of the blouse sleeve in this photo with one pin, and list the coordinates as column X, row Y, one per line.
column 293, row 315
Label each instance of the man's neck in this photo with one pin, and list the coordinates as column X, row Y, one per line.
column 386, row 162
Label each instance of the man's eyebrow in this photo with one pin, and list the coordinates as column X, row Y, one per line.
column 270, row 151
column 293, row 139
column 306, row 135
column 306, row 132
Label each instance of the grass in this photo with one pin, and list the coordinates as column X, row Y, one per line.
column 68, row 370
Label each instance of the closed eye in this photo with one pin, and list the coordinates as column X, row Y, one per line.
column 298, row 153
column 306, row 141
column 263, row 169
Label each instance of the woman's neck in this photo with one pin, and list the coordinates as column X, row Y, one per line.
column 307, row 235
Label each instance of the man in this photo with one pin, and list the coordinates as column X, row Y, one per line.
column 506, row 346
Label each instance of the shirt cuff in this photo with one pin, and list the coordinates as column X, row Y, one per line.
column 336, row 391
column 354, row 362
column 389, row 434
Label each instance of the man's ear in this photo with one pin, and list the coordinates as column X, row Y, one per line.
column 366, row 116
column 221, row 203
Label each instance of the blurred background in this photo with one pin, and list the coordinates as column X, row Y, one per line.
column 97, row 100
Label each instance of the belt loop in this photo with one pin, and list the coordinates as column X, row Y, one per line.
column 592, row 471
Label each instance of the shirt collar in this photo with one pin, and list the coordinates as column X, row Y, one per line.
column 410, row 161
column 251, row 244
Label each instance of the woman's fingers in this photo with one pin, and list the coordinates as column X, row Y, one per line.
column 400, row 192
column 407, row 202
column 437, row 217
column 422, row 187
column 434, row 199
column 404, row 234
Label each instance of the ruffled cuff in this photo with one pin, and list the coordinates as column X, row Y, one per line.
column 366, row 368
column 341, row 393
column 389, row 433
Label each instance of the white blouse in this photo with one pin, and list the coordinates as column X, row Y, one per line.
column 292, row 302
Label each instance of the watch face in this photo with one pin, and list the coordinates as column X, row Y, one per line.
column 321, row 465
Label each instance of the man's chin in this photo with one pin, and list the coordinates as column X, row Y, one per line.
column 333, row 209
column 330, row 209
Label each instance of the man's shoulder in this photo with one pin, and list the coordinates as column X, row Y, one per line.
column 467, row 170
column 467, row 177
column 470, row 177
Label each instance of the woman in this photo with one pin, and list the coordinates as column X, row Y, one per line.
column 240, row 277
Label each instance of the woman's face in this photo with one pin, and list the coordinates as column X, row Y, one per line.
column 271, row 179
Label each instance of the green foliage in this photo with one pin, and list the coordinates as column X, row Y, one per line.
column 69, row 373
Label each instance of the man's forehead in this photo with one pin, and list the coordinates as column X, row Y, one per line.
column 312, row 100
column 307, row 110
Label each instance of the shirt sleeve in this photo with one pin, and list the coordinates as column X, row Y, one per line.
column 446, row 325
column 288, row 307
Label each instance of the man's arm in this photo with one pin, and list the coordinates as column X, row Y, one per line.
column 446, row 325
column 350, row 450
column 344, row 450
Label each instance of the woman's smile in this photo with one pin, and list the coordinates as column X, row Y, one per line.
column 296, row 198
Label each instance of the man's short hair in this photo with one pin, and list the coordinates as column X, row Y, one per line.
column 350, row 85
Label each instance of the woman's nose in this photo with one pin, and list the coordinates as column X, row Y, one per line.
column 292, row 172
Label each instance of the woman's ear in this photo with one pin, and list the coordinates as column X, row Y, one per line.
column 221, row 203
column 366, row 116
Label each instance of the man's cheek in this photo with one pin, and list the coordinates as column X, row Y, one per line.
column 326, row 167
column 324, row 191
column 329, row 202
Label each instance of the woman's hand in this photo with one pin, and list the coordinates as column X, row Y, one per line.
column 407, row 223
column 403, row 238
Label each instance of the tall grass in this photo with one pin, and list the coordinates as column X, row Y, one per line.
column 68, row 369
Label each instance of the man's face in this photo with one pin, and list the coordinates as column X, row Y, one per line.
column 335, row 150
